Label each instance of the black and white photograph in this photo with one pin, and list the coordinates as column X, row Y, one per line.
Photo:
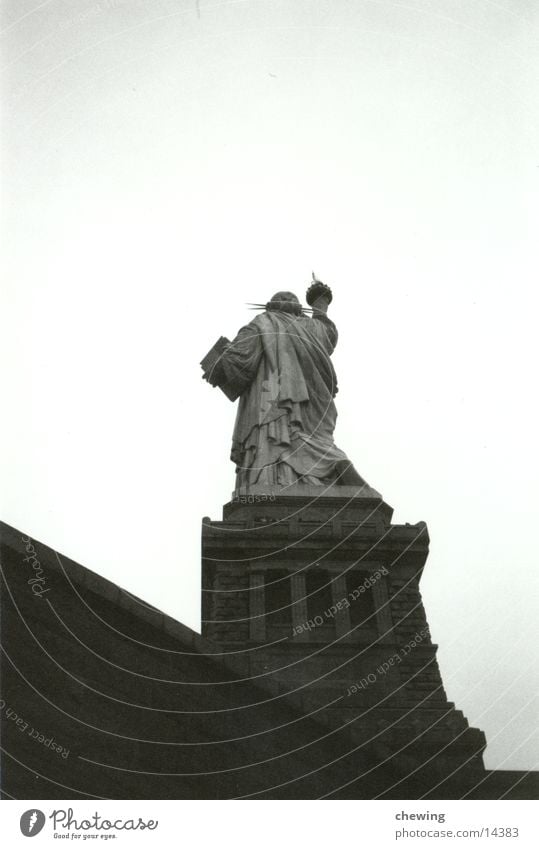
column 270, row 470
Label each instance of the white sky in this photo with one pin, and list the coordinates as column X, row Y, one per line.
column 162, row 167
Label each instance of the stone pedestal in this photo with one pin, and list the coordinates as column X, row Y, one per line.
column 320, row 593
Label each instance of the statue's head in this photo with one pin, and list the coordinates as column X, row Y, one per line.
column 285, row 302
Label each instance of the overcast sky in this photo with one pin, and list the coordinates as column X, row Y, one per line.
column 166, row 161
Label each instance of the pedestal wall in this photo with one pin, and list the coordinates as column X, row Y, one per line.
column 321, row 595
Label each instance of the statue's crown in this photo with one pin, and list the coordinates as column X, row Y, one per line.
column 285, row 302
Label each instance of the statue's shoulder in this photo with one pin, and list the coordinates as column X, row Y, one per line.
column 255, row 324
column 280, row 322
column 263, row 320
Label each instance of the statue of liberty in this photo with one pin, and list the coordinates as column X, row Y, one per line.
column 279, row 366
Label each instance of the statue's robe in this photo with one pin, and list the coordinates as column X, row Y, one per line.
column 280, row 363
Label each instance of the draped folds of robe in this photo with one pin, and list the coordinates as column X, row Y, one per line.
column 286, row 413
